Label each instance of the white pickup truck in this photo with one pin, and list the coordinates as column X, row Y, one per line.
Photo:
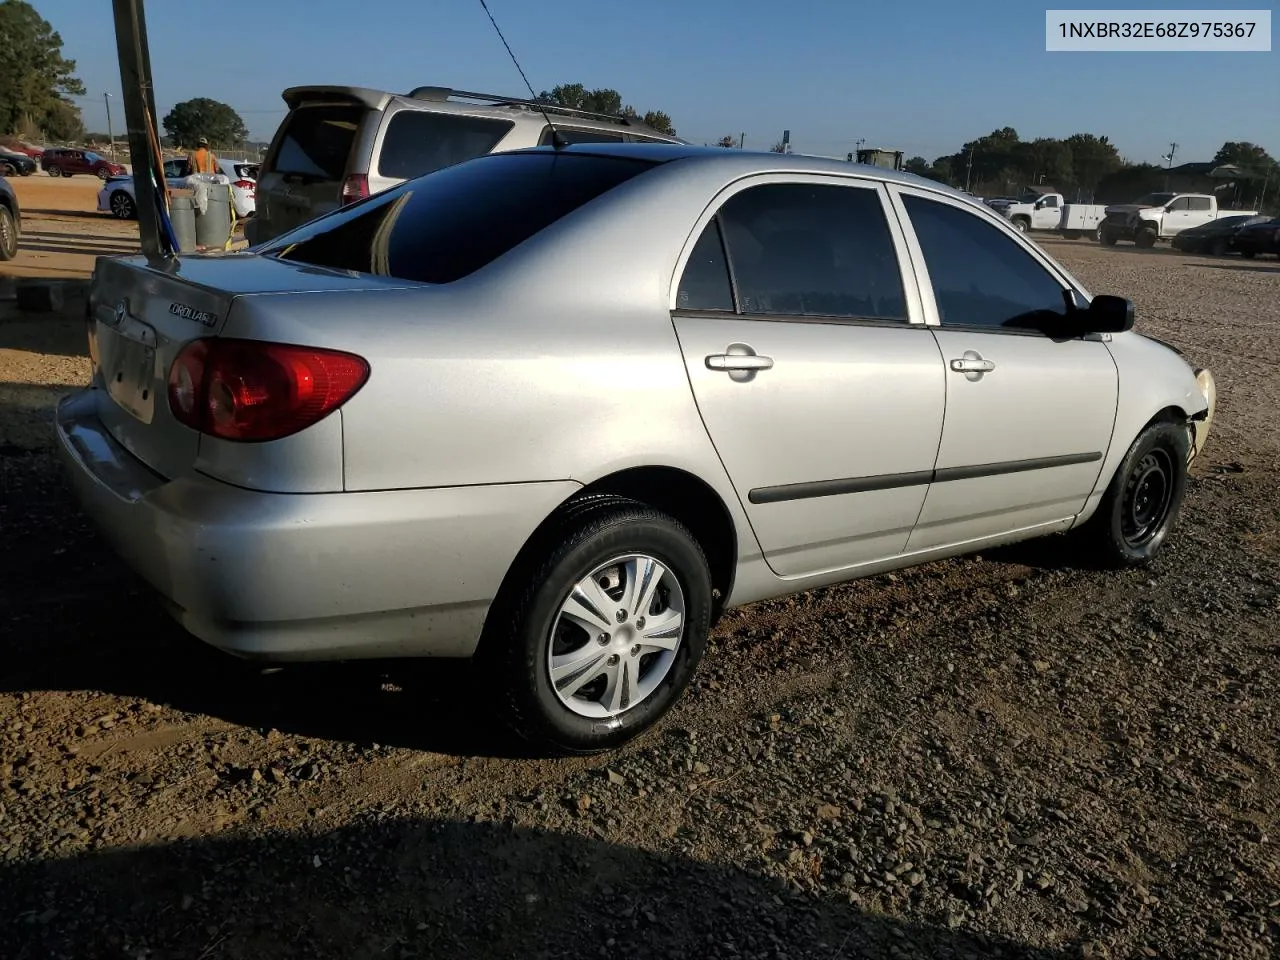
column 1051, row 212
column 1161, row 216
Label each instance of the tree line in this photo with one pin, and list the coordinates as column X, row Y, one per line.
column 1082, row 166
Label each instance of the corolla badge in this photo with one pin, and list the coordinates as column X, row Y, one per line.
column 191, row 313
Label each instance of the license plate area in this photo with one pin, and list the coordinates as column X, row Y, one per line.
column 127, row 358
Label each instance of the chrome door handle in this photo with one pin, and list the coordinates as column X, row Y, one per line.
column 736, row 361
column 972, row 365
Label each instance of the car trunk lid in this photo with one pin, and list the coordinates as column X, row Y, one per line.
column 141, row 316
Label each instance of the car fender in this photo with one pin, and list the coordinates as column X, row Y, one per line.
column 1154, row 380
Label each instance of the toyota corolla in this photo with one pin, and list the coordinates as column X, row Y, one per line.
column 557, row 409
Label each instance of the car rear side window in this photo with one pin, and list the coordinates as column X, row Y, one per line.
column 980, row 276
column 803, row 249
column 443, row 227
column 1200, row 203
column 705, row 284
column 316, row 141
column 419, row 142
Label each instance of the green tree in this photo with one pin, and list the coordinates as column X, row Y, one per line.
column 727, row 142
column 36, row 80
column 576, row 96
column 1245, row 155
column 778, row 147
column 1092, row 158
column 190, row 120
column 917, row 165
column 62, row 121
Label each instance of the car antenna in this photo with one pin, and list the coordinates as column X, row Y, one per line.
column 556, row 140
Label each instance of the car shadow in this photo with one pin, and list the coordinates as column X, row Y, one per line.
column 68, row 214
column 443, row 888
column 83, row 249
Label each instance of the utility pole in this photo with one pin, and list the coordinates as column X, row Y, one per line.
column 742, row 139
column 139, row 103
column 968, row 171
column 106, row 99
column 1173, row 148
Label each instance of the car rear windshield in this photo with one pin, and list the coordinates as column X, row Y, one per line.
column 316, row 141
column 442, row 227
column 419, row 142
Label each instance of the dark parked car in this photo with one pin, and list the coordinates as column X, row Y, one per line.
column 1216, row 236
column 10, row 221
column 1259, row 238
column 67, row 162
column 15, row 164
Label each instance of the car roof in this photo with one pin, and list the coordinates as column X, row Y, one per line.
column 746, row 162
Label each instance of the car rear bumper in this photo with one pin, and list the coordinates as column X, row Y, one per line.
column 305, row 576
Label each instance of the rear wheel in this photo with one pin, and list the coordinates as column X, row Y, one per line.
column 1247, row 254
column 104, row 174
column 122, row 205
column 1142, row 501
column 601, row 635
column 1021, row 224
column 8, row 170
column 8, row 235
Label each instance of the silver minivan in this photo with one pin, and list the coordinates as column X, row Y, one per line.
column 341, row 144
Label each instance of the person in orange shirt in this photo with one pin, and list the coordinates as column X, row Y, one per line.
column 203, row 160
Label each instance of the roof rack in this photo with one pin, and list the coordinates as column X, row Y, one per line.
column 447, row 93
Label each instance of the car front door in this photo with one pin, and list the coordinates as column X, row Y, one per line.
column 1177, row 217
column 1029, row 415
column 819, row 384
column 1047, row 215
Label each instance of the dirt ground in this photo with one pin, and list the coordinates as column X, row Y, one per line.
column 1009, row 755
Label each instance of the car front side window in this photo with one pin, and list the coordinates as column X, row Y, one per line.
column 982, row 278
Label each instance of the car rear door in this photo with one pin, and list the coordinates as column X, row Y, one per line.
column 818, row 382
column 1029, row 416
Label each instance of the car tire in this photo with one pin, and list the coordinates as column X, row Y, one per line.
column 596, row 551
column 8, row 170
column 54, row 171
column 1020, row 224
column 1141, row 503
column 122, row 206
column 1248, row 254
column 1106, row 237
column 104, row 174
column 1218, row 247
column 1145, row 238
column 8, row 235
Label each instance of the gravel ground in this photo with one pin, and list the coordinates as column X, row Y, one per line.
column 997, row 756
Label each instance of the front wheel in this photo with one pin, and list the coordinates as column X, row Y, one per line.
column 1107, row 237
column 8, row 170
column 55, row 171
column 1145, row 238
column 603, row 633
column 1142, row 501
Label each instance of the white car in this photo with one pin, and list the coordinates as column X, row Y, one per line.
column 116, row 196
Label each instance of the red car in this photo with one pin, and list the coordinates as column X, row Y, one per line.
column 67, row 162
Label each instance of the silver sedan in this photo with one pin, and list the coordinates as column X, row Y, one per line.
column 558, row 409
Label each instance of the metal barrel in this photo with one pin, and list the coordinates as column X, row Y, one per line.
column 182, row 213
column 213, row 227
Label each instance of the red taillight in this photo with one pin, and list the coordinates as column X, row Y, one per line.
column 355, row 187
column 243, row 184
column 252, row 391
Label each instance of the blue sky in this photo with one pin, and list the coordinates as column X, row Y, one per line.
column 918, row 76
